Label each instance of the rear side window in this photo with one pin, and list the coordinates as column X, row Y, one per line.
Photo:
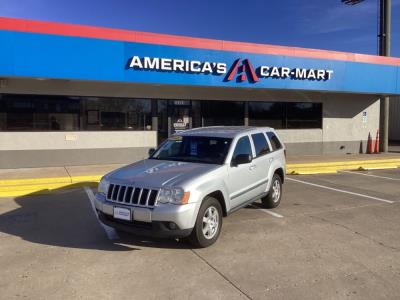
column 260, row 143
column 275, row 143
column 243, row 147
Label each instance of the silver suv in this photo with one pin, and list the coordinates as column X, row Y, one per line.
column 192, row 180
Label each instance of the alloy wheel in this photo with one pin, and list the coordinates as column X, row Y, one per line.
column 276, row 191
column 210, row 222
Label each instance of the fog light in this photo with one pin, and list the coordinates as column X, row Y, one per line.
column 172, row 225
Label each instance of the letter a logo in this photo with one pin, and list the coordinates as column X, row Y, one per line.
column 244, row 71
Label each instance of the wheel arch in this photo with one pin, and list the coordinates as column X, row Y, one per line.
column 220, row 197
column 280, row 173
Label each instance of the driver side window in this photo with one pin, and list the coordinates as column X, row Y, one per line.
column 243, row 147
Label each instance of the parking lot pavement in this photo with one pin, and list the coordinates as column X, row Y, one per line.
column 332, row 237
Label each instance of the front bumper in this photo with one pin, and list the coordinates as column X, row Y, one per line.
column 153, row 229
column 154, row 222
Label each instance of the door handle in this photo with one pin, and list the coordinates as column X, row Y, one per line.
column 252, row 167
column 271, row 159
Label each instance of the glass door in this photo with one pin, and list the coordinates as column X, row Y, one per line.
column 179, row 116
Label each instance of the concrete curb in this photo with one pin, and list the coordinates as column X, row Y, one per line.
column 23, row 187
column 30, row 186
column 333, row 167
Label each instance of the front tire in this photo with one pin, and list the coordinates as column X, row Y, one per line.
column 274, row 196
column 208, row 224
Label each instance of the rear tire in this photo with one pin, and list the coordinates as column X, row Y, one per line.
column 208, row 224
column 273, row 199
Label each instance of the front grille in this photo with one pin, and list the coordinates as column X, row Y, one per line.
column 132, row 195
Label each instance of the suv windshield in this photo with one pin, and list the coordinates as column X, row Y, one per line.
column 210, row 150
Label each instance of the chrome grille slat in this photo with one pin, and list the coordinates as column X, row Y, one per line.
column 131, row 198
column 131, row 195
column 119, row 191
column 147, row 198
column 140, row 196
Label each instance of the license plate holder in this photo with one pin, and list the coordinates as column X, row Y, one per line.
column 122, row 213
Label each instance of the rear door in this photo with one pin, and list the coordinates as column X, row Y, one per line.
column 277, row 147
column 262, row 161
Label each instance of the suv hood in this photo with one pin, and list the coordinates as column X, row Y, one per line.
column 158, row 173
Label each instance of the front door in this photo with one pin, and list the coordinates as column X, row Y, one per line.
column 241, row 178
column 179, row 116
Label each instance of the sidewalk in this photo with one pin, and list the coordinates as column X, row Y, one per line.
column 18, row 182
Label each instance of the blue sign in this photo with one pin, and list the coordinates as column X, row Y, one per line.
column 34, row 55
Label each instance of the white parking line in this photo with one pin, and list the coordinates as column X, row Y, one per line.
column 340, row 191
column 276, row 215
column 111, row 233
column 370, row 175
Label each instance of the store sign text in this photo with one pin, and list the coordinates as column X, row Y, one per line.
column 177, row 65
column 241, row 69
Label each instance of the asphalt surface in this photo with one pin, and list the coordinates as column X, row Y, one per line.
column 333, row 237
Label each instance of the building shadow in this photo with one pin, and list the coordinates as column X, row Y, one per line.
column 65, row 218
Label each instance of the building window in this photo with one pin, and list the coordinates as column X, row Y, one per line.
column 303, row 115
column 222, row 113
column 38, row 113
column 117, row 113
column 286, row 115
column 267, row 114
column 67, row 113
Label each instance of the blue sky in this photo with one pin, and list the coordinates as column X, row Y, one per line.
column 326, row 24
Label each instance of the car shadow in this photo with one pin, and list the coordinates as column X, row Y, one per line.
column 148, row 242
column 65, row 218
column 255, row 205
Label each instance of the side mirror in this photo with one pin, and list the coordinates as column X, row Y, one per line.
column 151, row 151
column 241, row 159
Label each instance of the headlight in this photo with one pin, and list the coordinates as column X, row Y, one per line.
column 103, row 186
column 173, row 195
